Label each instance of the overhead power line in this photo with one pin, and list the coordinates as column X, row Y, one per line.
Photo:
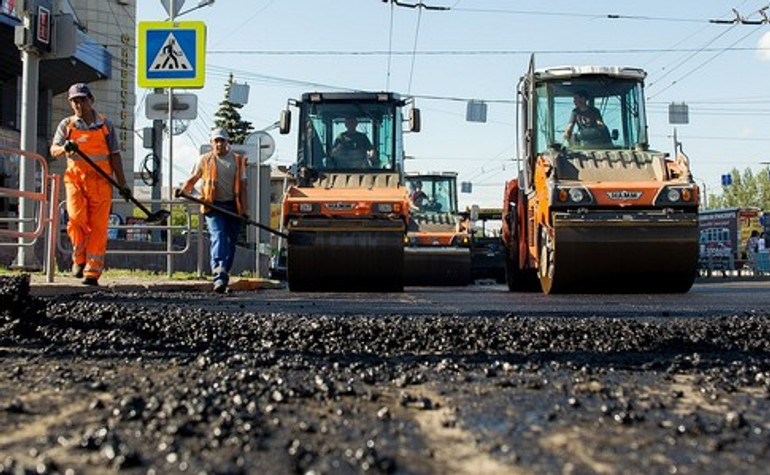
column 598, row 16
column 421, row 5
column 478, row 52
column 741, row 20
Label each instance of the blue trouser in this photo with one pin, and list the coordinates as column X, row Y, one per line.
column 224, row 232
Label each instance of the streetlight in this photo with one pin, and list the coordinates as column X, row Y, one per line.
column 201, row 4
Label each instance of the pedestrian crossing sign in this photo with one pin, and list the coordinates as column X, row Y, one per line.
column 171, row 54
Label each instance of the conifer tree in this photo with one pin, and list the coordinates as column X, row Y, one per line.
column 228, row 117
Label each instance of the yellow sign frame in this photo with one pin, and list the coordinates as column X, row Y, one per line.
column 190, row 36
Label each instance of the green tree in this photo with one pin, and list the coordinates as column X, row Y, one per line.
column 747, row 189
column 228, row 117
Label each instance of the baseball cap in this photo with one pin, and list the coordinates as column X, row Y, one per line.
column 79, row 90
column 219, row 134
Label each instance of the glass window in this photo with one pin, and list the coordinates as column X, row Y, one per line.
column 605, row 113
column 433, row 193
column 350, row 137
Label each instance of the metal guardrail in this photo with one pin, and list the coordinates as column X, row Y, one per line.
column 140, row 228
column 47, row 210
column 150, row 229
column 43, row 197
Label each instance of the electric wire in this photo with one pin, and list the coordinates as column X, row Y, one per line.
column 414, row 48
column 701, row 65
column 390, row 48
column 390, row 53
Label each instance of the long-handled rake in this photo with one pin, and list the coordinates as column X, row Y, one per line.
column 219, row 209
column 152, row 217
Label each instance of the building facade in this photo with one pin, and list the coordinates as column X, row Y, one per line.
column 103, row 57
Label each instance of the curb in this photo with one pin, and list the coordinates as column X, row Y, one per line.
column 65, row 285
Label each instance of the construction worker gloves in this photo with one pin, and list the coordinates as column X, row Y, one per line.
column 125, row 193
column 70, row 146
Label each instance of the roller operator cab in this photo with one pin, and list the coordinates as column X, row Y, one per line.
column 346, row 215
column 593, row 208
column 438, row 245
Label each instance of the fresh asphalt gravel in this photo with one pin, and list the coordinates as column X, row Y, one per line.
column 100, row 382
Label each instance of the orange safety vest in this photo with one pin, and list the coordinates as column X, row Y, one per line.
column 209, row 177
column 92, row 142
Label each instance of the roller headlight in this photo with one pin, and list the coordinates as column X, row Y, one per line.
column 673, row 195
column 572, row 195
column 576, row 195
column 676, row 195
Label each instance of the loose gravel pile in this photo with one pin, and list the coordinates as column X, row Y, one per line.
column 91, row 385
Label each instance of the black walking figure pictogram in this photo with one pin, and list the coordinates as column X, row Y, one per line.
column 171, row 54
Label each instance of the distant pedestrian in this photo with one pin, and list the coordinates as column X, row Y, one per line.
column 752, row 245
column 224, row 185
column 89, row 195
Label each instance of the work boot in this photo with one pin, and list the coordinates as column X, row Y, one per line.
column 92, row 281
column 77, row 270
column 220, row 287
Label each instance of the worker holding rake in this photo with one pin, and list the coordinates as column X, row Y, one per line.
column 89, row 195
column 224, row 185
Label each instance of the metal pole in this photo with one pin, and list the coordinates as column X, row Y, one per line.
column 53, row 226
column 27, row 168
column 157, row 179
column 280, row 225
column 200, row 245
column 676, row 144
column 259, row 205
column 170, row 194
column 169, row 241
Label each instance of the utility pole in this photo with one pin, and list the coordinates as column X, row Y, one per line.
column 157, row 152
column 172, row 11
column 30, row 37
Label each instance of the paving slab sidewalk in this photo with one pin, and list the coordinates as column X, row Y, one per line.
column 40, row 287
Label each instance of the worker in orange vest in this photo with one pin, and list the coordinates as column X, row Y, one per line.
column 89, row 195
column 224, row 185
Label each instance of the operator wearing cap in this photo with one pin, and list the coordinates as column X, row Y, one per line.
column 89, row 195
column 224, row 185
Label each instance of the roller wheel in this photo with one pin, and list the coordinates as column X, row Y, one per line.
column 518, row 280
column 511, row 271
column 547, row 264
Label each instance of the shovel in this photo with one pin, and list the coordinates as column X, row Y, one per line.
column 152, row 217
column 182, row 194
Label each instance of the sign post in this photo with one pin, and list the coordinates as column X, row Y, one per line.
column 265, row 146
column 171, row 55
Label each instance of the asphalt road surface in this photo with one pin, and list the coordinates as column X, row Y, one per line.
column 720, row 297
column 432, row 380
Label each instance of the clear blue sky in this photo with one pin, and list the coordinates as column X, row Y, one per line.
column 478, row 49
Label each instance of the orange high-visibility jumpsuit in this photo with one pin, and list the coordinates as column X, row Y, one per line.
column 89, row 198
